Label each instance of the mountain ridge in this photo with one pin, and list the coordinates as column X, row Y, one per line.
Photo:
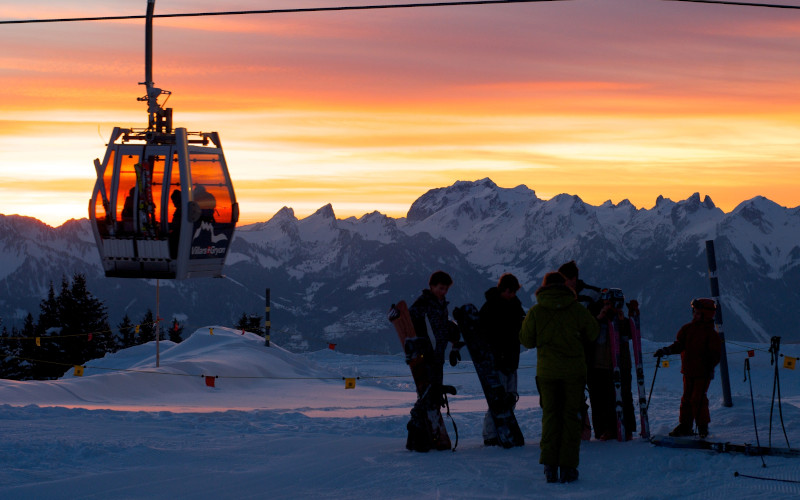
column 333, row 279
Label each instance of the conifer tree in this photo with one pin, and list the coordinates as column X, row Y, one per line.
column 250, row 323
column 49, row 323
column 126, row 332
column 85, row 331
column 25, row 349
column 6, row 349
column 10, row 362
column 49, row 354
column 73, row 327
column 147, row 328
column 176, row 331
column 48, row 311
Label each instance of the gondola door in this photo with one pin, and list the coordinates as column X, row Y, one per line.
column 128, row 211
column 211, row 208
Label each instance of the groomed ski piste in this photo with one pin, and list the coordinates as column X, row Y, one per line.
column 223, row 416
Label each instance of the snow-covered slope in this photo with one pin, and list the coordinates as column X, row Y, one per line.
column 281, row 425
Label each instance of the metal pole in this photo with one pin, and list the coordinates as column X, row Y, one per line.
column 148, row 44
column 267, row 324
column 723, row 362
column 158, row 328
column 152, row 105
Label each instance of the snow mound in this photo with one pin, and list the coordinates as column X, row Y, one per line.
column 188, row 375
column 217, row 351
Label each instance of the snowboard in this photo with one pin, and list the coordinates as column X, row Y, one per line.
column 721, row 447
column 500, row 402
column 426, row 429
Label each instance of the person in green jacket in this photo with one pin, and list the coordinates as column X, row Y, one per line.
column 559, row 327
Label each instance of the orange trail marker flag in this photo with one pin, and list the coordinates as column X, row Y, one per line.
column 78, row 371
column 789, row 362
column 349, row 383
column 665, row 363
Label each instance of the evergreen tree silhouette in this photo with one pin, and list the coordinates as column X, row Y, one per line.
column 48, row 326
column 147, row 328
column 10, row 349
column 250, row 323
column 73, row 328
column 85, row 333
column 127, row 333
column 176, row 332
column 26, row 350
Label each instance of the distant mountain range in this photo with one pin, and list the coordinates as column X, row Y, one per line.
column 332, row 280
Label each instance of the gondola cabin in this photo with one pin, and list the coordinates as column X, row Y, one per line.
column 163, row 205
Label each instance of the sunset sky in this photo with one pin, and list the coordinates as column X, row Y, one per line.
column 367, row 110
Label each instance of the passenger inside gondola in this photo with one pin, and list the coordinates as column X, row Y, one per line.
column 175, row 224
column 206, row 202
column 127, row 212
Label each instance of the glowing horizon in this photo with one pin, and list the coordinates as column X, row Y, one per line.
column 369, row 110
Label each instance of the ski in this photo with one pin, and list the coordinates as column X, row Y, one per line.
column 636, row 336
column 586, row 432
column 501, row 403
column 144, row 176
column 614, row 339
column 690, row 443
column 426, row 429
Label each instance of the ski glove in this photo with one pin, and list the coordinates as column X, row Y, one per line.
column 455, row 357
column 661, row 353
column 453, row 332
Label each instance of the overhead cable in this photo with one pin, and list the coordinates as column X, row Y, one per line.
column 278, row 11
column 743, row 4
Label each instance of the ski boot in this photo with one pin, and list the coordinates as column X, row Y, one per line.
column 682, row 430
column 569, row 474
column 551, row 473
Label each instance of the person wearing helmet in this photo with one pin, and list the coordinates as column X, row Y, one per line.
column 700, row 348
column 602, row 393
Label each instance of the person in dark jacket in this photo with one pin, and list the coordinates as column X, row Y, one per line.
column 559, row 328
column 700, row 348
column 431, row 304
column 498, row 325
column 602, row 393
column 589, row 297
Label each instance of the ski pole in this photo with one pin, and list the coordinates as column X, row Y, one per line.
column 774, row 349
column 658, row 363
column 752, row 403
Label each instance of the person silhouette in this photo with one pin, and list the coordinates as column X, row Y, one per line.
column 175, row 224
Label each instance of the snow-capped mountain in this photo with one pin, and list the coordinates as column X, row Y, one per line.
column 332, row 280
